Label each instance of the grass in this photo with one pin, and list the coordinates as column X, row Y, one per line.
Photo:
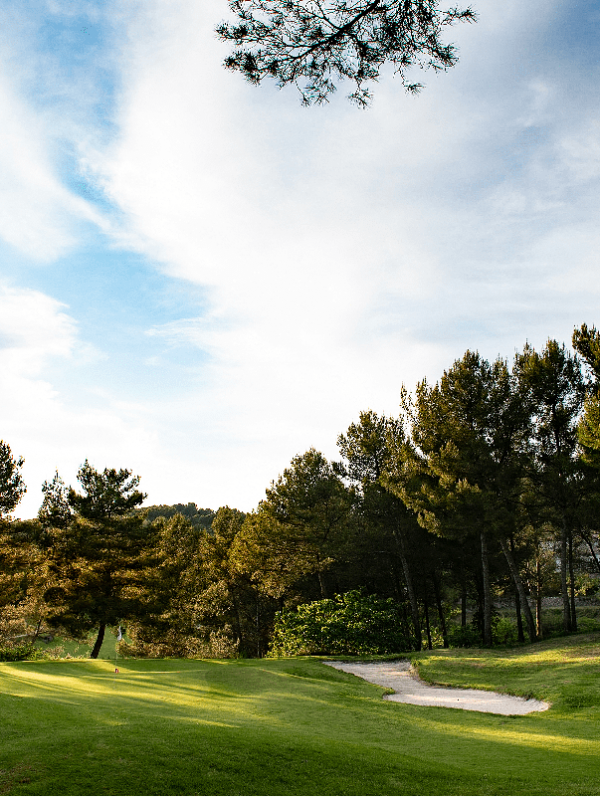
column 565, row 672
column 71, row 648
column 297, row 727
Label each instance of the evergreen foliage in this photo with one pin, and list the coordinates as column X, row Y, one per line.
column 312, row 45
column 197, row 517
column 12, row 486
column 98, row 560
column 349, row 624
column 484, row 494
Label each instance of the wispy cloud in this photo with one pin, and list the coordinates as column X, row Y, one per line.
column 339, row 253
column 37, row 213
column 37, row 339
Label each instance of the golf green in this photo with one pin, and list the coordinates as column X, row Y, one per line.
column 296, row 726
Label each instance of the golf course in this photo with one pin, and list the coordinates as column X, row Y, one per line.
column 295, row 726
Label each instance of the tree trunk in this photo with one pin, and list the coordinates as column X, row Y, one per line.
column 563, row 579
column 572, row 582
column 538, row 599
column 414, row 606
column 405, row 622
column 401, row 597
column 487, row 593
column 258, row 625
column 518, row 583
column 463, row 605
column 99, row 640
column 37, row 631
column 520, row 634
column 440, row 609
column 588, row 541
column 238, row 619
column 427, row 627
column 398, row 587
column 322, row 585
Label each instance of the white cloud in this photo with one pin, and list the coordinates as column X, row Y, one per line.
column 343, row 252
column 39, row 215
column 33, row 327
column 37, row 339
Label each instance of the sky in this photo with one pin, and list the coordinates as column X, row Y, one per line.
column 200, row 279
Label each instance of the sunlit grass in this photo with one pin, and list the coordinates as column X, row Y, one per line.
column 70, row 648
column 565, row 672
column 295, row 726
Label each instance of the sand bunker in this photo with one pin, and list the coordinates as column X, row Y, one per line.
column 397, row 675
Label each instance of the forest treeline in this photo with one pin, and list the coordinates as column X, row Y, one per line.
column 484, row 491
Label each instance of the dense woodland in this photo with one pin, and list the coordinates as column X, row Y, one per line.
column 483, row 494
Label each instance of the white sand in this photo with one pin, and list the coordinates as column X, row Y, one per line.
column 397, row 675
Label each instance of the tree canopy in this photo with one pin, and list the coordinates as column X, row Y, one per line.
column 482, row 494
column 98, row 557
column 315, row 44
column 12, row 486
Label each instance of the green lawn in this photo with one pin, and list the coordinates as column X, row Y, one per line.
column 71, row 648
column 296, row 726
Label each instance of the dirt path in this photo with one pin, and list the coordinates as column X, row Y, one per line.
column 397, row 675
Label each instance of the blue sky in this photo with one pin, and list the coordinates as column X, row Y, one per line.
column 200, row 279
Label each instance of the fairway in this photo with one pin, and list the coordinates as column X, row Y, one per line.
column 297, row 726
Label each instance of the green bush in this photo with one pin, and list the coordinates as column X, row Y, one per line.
column 468, row 636
column 352, row 624
column 587, row 625
column 24, row 651
column 504, row 632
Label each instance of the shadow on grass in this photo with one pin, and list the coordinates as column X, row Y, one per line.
column 289, row 726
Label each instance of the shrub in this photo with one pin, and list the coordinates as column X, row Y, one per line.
column 350, row 624
column 504, row 632
column 55, row 653
column 587, row 625
column 24, row 651
column 468, row 636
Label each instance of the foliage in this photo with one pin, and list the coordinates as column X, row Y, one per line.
column 55, row 511
column 12, row 486
column 589, row 429
column 554, row 381
column 504, row 632
column 23, row 651
column 24, row 580
column 98, row 570
column 586, row 342
column 305, row 518
column 588, row 624
column 464, row 636
column 461, row 471
column 586, row 585
column 312, row 44
column 197, row 517
column 488, row 482
column 171, row 582
column 352, row 624
column 98, row 560
column 106, row 494
column 387, row 528
column 203, row 600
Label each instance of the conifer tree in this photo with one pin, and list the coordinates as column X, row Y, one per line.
column 313, row 44
column 100, row 557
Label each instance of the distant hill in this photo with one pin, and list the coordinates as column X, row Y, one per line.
column 199, row 517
